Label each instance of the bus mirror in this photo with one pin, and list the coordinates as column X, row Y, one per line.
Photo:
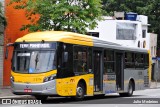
column 6, row 54
column 65, row 56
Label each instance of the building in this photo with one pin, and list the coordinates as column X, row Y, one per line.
column 1, row 59
column 129, row 32
column 1, row 48
column 15, row 19
column 124, row 32
column 153, row 50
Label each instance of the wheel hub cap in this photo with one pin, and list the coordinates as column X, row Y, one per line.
column 79, row 91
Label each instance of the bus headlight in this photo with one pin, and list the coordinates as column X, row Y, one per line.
column 12, row 79
column 49, row 78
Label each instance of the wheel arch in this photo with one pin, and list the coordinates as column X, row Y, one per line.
column 133, row 81
column 84, row 83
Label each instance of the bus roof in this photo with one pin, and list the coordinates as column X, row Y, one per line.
column 61, row 36
column 74, row 38
column 100, row 43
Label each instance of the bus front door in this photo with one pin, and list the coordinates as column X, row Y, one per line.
column 119, row 71
column 97, row 55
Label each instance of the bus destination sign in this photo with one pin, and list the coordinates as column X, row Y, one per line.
column 46, row 45
column 37, row 46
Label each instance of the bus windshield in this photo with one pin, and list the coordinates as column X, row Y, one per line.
column 33, row 61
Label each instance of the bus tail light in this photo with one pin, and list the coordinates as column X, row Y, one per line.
column 49, row 78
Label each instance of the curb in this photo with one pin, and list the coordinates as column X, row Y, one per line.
column 15, row 96
column 154, row 87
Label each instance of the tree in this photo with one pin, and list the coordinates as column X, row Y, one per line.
column 70, row 15
column 153, row 13
column 150, row 8
column 3, row 22
column 125, row 5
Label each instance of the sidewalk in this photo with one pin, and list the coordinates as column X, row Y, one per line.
column 155, row 85
column 5, row 92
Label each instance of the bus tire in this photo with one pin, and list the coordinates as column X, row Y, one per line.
column 41, row 97
column 130, row 90
column 80, row 91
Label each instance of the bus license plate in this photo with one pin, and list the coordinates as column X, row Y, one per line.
column 28, row 90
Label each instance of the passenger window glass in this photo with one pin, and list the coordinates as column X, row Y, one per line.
column 65, row 60
column 80, row 60
column 139, row 60
column 109, row 62
column 108, row 55
column 129, row 60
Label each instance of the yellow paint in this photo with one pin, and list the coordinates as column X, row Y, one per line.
column 60, row 36
column 64, row 87
column 67, row 86
column 141, row 81
column 150, row 65
column 109, row 81
column 31, row 78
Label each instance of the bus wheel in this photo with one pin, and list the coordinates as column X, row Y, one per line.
column 41, row 97
column 80, row 92
column 130, row 89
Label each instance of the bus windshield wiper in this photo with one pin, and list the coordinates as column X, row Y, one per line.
column 36, row 61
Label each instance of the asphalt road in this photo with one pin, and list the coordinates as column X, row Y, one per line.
column 143, row 98
column 148, row 94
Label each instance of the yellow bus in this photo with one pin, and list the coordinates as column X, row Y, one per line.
column 59, row 63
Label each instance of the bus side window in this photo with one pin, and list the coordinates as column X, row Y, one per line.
column 65, row 60
column 146, row 60
column 139, row 60
column 80, row 60
column 129, row 60
column 68, row 60
column 90, row 60
column 109, row 61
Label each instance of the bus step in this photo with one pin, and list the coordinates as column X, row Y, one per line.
column 120, row 91
column 99, row 92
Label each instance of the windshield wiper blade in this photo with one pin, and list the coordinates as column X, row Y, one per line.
column 36, row 61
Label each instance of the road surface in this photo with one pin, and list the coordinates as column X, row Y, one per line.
column 143, row 98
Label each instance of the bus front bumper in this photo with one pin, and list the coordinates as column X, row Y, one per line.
column 47, row 88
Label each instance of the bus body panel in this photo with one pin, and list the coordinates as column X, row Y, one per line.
column 109, row 83
column 50, row 36
column 150, row 66
column 33, row 83
column 47, row 88
column 63, row 87
column 136, row 75
column 31, row 78
column 67, row 86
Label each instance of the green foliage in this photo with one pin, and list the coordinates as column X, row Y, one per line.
column 3, row 22
column 150, row 8
column 61, row 14
column 154, row 17
column 138, row 6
